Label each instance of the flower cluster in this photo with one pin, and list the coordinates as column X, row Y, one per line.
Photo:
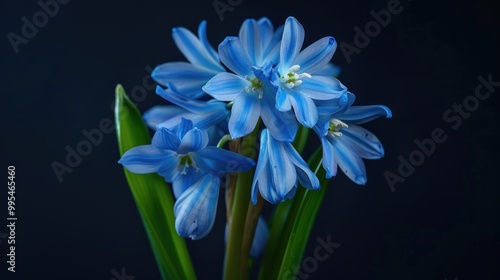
column 263, row 78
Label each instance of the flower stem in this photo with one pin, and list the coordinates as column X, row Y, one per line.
column 235, row 264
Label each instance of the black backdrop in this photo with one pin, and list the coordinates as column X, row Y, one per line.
column 442, row 222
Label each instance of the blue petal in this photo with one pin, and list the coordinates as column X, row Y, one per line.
column 272, row 49
column 145, row 159
column 330, row 70
column 306, row 177
column 329, row 157
column 194, row 140
column 202, row 34
column 170, row 169
column 266, row 32
column 250, row 38
column 321, row 87
column 326, row 108
column 261, row 165
column 260, row 238
column 183, row 127
column 283, row 171
column 316, row 56
column 291, row 43
column 367, row 145
column 305, row 109
column 186, row 77
column 233, row 55
column 225, row 86
column 161, row 113
column 196, row 208
column 282, row 125
column 220, row 161
column 205, row 113
column 282, row 101
column 262, row 180
column 349, row 161
column 193, row 49
column 166, row 140
column 182, row 182
column 244, row 114
column 364, row 114
column 322, row 126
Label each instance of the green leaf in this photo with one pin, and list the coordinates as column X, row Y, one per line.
column 291, row 227
column 152, row 196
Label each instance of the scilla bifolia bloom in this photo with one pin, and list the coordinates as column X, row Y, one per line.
column 261, row 86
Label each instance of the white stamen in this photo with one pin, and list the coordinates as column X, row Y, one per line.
column 291, row 79
column 335, row 126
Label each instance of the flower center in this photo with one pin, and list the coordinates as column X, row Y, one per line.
column 335, row 126
column 291, row 79
column 255, row 84
column 185, row 161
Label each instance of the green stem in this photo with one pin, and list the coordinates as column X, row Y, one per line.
column 234, row 268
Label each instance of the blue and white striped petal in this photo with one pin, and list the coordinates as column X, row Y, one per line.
column 196, row 207
column 219, row 161
column 304, row 108
column 316, row 56
column 291, row 43
column 330, row 161
column 366, row 143
column 305, row 175
column 349, row 160
column 251, row 39
column 321, row 88
column 282, row 126
column 244, row 114
column 194, row 140
column 166, row 140
column 234, row 56
column 225, row 86
column 145, row 159
column 364, row 114
column 186, row 77
column 193, row 49
column 161, row 113
column 284, row 176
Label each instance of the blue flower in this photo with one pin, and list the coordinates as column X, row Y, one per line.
column 297, row 86
column 345, row 143
column 251, row 93
column 279, row 168
column 203, row 62
column 182, row 157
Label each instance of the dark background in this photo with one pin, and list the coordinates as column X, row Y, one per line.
column 441, row 223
